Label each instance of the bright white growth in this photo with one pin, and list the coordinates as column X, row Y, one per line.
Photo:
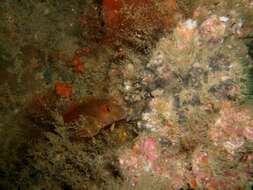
column 224, row 19
column 190, row 24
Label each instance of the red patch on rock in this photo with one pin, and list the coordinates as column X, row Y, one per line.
column 63, row 89
column 112, row 10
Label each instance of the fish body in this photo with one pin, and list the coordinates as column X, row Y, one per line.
column 97, row 113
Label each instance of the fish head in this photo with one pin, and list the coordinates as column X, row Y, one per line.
column 111, row 111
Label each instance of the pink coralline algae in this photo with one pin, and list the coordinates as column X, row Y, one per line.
column 141, row 157
column 213, row 28
column 200, row 168
column 232, row 129
column 147, row 156
column 207, row 175
column 248, row 133
column 149, row 149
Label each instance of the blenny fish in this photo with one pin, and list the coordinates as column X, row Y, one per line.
column 96, row 113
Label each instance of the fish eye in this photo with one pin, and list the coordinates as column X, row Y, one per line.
column 108, row 109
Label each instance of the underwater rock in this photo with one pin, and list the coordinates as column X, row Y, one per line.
column 141, row 157
column 191, row 73
column 179, row 129
column 147, row 156
column 231, row 127
column 135, row 20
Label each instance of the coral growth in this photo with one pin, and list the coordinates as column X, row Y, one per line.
column 197, row 82
column 232, row 129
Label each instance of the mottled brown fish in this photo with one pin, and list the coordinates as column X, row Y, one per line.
column 96, row 113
